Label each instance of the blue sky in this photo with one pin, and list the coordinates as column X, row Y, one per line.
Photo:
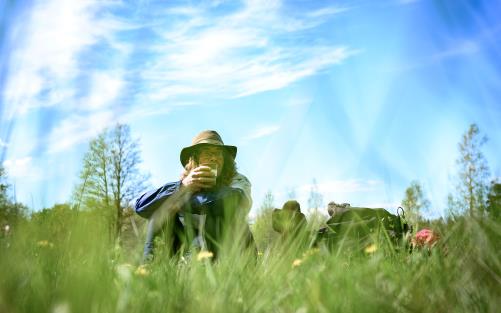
column 362, row 96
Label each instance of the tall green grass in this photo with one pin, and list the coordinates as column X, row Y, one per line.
column 71, row 266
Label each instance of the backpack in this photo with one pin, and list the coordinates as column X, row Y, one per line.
column 362, row 226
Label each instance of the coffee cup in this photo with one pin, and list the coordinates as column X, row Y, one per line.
column 213, row 168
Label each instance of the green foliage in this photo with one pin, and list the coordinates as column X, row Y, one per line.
column 262, row 228
column 473, row 174
column 110, row 178
column 76, row 270
column 11, row 212
column 414, row 202
column 494, row 201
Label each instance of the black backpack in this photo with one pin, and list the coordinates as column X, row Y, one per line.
column 361, row 226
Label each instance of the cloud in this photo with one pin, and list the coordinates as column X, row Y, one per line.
column 404, row 2
column 457, row 49
column 344, row 186
column 257, row 48
column 261, row 132
column 22, row 168
column 327, row 11
column 3, row 144
column 105, row 88
column 78, row 128
column 461, row 48
column 201, row 50
column 49, row 40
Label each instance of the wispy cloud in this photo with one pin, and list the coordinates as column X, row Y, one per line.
column 45, row 56
column 205, row 50
column 254, row 49
column 465, row 47
column 22, row 168
column 457, row 49
column 344, row 186
column 261, row 132
column 3, row 144
column 78, row 129
column 105, row 88
column 404, row 2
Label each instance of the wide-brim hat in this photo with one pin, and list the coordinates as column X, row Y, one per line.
column 206, row 138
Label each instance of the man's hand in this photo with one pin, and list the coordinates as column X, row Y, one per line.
column 199, row 178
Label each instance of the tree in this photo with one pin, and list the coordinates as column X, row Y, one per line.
column 262, row 228
column 316, row 199
column 56, row 222
column 11, row 212
column 473, row 174
column 110, row 178
column 414, row 201
column 291, row 193
column 268, row 202
column 494, row 200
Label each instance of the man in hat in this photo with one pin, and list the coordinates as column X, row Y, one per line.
column 209, row 203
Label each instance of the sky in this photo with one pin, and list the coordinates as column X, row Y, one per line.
column 356, row 97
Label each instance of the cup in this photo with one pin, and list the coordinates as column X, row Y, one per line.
column 213, row 168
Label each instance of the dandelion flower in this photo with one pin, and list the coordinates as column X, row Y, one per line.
column 370, row 249
column 45, row 243
column 142, row 270
column 202, row 255
column 311, row 252
column 297, row 262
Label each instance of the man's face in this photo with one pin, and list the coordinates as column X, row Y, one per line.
column 209, row 155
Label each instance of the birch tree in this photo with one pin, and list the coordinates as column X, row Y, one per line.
column 110, row 178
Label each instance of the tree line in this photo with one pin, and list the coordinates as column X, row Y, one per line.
column 110, row 179
column 474, row 195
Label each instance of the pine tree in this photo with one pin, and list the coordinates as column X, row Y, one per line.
column 473, row 174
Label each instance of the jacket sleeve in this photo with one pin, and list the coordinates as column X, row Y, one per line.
column 243, row 184
column 150, row 201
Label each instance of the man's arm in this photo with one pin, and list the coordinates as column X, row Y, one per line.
column 243, row 184
column 149, row 202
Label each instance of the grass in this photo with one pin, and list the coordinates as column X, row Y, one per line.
column 72, row 268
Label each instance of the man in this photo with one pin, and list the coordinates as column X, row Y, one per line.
column 208, row 204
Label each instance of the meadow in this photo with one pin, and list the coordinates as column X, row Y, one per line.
column 64, row 264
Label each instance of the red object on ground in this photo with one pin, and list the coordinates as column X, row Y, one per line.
column 425, row 237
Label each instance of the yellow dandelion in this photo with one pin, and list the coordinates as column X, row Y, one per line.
column 260, row 253
column 202, row 255
column 45, row 243
column 370, row 249
column 142, row 270
column 297, row 262
column 311, row 252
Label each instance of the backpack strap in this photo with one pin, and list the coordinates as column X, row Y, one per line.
column 403, row 222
